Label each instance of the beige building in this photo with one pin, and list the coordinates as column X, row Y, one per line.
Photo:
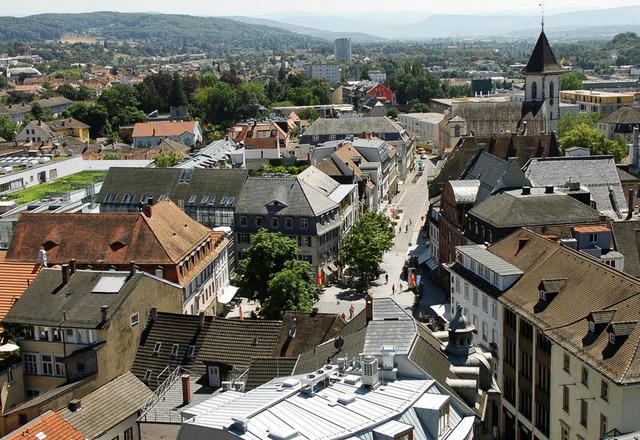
column 591, row 101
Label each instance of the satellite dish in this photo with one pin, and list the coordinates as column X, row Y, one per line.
column 338, row 343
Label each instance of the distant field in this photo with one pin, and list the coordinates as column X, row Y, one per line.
column 78, row 38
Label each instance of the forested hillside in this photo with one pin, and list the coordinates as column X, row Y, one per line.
column 179, row 30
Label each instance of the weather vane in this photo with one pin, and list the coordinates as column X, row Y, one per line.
column 542, row 5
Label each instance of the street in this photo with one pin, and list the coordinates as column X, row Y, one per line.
column 412, row 199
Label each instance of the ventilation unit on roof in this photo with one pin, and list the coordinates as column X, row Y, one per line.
column 370, row 371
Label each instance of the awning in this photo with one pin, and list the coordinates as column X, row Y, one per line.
column 228, row 292
column 431, row 264
column 332, row 267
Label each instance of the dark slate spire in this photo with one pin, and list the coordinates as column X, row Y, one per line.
column 542, row 58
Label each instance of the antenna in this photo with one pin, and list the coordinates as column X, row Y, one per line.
column 542, row 5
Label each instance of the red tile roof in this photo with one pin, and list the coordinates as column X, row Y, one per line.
column 166, row 237
column 14, row 279
column 51, row 425
column 163, row 129
column 591, row 229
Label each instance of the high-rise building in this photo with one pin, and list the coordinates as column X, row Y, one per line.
column 342, row 49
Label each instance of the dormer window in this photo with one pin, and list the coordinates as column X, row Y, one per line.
column 612, row 338
column 592, row 327
column 543, row 295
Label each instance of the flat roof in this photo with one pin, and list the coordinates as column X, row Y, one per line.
column 496, row 264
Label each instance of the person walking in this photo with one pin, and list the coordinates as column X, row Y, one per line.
column 393, row 289
column 386, row 278
column 352, row 309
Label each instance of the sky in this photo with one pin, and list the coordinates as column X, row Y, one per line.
column 258, row 8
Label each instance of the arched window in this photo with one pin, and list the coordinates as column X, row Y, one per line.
column 551, row 90
column 534, row 90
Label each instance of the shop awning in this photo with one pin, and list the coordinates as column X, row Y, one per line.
column 228, row 292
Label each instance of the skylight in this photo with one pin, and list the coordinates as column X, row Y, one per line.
column 110, row 283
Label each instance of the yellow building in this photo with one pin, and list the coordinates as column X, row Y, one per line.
column 591, row 101
column 70, row 127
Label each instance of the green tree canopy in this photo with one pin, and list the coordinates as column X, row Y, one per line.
column 177, row 94
column 570, row 120
column 95, row 116
column 8, row 128
column 166, row 160
column 572, row 81
column 291, row 289
column 365, row 244
column 265, row 257
column 585, row 136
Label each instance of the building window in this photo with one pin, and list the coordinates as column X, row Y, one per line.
column 157, row 347
column 258, row 222
column 275, row 222
column 593, row 238
column 243, row 220
column 494, row 309
column 47, row 365
column 566, row 363
column 565, row 398
column 60, row 367
column 466, row 291
column 603, row 425
column 604, row 390
column 288, row 223
column 304, row 223
column 584, row 409
column 475, row 297
column 128, row 434
column 457, row 284
column 174, row 350
column 485, row 331
column 135, row 319
column 485, row 302
column 315, row 138
column 612, row 338
column 10, row 376
column 534, row 90
column 585, row 377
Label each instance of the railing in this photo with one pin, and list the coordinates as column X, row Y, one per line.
column 161, row 390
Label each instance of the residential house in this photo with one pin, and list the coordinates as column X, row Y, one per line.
column 323, row 130
column 161, row 240
column 223, row 153
column 78, row 324
column 501, row 214
column 208, row 196
column 570, row 364
column 48, row 131
column 620, row 123
column 296, row 209
column 478, row 278
column 17, row 112
column 49, row 425
column 110, row 411
column 458, row 197
column 419, row 405
column 261, row 140
column 147, row 134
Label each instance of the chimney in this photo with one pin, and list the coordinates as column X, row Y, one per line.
column 146, row 209
column 132, row 268
column 104, row 313
column 153, row 314
column 154, row 133
column 526, row 190
column 150, row 201
column 292, row 330
column 75, row 405
column 72, row 266
column 548, row 189
column 630, row 204
column 65, row 274
column 201, row 320
column 369, row 308
column 186, row 390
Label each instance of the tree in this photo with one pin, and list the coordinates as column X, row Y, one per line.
column 8, row 128
column 40, row 113
column 177, row 95
column 420, row 107
column 265, row 257
column 392, row 112
column 572, row 81
column 310, row 114
column 95, row 116
column 365, row 244
column 589, row 137
column 166, row 160
column 291, row 289
column 117, row 97
column 569, row 121
column 67, row 91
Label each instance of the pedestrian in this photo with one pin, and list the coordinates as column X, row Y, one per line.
column 351, row 310
column 393, row 289
column 386, row 278
column 406, row 228
column 409, row 221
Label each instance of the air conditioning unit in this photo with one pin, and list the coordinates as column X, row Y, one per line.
column 239, row 386
column 226, row 385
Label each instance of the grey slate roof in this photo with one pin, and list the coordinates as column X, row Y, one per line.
column 597, row 173
column 108, row 406
column 542, row 58
column 352, row 126
column 488, row 169
column 624, row 115
column 46, row 299
column 511, row 209
column 166, row 181
column 391, row 325
column 626, row 236
column 297, row 198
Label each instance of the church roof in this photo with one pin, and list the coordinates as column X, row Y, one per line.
column 542, row 58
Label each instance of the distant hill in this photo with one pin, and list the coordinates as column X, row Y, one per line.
column 418, row 25
column 184, row 30
column 356, row 37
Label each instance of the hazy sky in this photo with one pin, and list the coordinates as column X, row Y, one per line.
column 258, row 8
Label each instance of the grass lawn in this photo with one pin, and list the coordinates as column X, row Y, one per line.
column 68, row 183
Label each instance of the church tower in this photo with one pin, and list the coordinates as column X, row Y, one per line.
column 542, row 82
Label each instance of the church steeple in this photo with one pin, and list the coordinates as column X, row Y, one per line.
column 542, row 59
